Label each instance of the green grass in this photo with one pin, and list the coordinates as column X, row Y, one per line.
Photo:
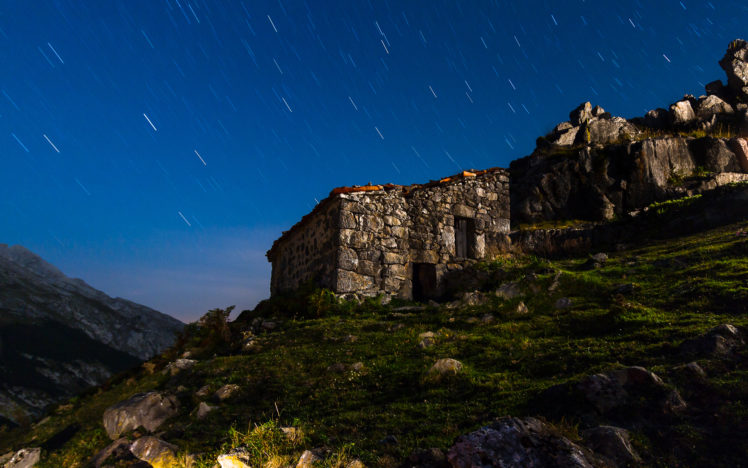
column 683, row 287
column 721, row 130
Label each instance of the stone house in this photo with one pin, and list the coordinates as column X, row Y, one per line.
column 394, row 240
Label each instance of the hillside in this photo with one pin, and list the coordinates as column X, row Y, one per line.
column 612, row 332
column 59, row 336
column 354, row 380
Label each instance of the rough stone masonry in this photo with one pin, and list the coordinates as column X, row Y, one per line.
column 397, row 241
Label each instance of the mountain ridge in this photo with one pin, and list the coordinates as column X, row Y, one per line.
column 74, row 336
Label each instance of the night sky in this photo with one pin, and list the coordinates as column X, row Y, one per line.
column 156, row 148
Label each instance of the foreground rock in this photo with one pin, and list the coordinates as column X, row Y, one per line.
column 721, row 341
column 117, row 451
column 307, row 459
column 226, row 392
column 147, row 410
column 446, row 367
column 24, row 458
column 613, row 443
column 203, row 409
column 626, row 395
column 237, row 458
column 173, row 368
column 155, row 451
column 429, row 458
column 515, row 442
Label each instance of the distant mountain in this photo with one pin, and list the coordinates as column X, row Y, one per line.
column 58, row 335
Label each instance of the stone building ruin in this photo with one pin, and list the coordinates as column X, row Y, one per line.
column 393, row 240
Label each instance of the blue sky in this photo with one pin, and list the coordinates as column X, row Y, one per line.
column 157, row 148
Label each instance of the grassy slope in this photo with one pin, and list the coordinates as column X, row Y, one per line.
column 698, row 282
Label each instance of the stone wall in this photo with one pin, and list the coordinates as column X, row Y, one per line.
column 384, row 232
column 363, row 243
column 373, row 242
column 307, row 252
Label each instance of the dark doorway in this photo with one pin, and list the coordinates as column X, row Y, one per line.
column 464, row 237
column 424, row 281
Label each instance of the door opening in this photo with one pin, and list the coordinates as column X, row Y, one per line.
column 464, row 237
column 424, row 281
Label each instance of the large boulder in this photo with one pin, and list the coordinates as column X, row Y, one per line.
column 590, row 125
column 581, row 114
column 622, row 394
column 682, row 113
column 614, row 130
column 514, row 442
column 735, row 64
column 712, row 105
column 715, row 155
column 148, row 410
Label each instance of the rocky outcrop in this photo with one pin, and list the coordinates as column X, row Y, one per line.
column 59, row 336
column 147, row 410
column 588, row 125
column 597, row 167
column 722, row 204
column 599, row 183
column 515, row 442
